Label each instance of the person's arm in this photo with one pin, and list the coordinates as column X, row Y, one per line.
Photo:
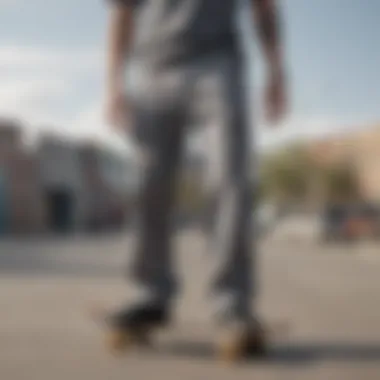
column 120, row 30
column 267, row 22
column 266, row 17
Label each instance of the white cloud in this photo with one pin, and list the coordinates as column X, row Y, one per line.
column 308, row 127
column 294, row 128
column 14, row 91
column 28, row 58
column 7, row 3
column 31, row 77
column 26, row 99
column 91, row 122
column 34, row 78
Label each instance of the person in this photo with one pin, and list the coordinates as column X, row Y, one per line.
column 192, row 68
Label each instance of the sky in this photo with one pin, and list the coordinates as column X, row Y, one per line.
column 52, row 66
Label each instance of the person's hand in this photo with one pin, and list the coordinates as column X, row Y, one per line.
column 275, row 98
column 116, row 110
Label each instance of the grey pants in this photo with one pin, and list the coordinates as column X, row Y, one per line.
column 209, row 92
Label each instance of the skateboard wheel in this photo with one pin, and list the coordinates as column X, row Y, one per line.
column 118, row 341
column 241, row 345
column 231, row 347
column 230, row 352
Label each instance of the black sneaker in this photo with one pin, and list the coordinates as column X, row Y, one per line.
column 140, row 317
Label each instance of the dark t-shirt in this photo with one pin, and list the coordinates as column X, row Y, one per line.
column 176, row 30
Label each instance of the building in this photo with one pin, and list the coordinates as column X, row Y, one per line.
column 21, row 208
column 120, row 174
column 96, row 188
column 360, row 150
column 61, row 185
column 10, row 135
column 9, row 143
column 27, row 214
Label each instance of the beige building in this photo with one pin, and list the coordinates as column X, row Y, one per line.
column 361, row 149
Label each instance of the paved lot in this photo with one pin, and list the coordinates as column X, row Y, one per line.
column 330, row 299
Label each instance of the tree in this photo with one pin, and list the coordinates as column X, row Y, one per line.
column 340, row 182
column 287, row 174
column 291, row 175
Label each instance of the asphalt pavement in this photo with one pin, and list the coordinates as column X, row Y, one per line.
column 328, row 300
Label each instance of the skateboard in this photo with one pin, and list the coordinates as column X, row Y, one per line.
column 232, row 345
column 118, row 339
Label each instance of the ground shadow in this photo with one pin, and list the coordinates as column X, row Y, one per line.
column 287, row 354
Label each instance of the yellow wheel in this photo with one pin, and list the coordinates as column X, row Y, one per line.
column 231, row 347
column 118, row 341
column 121, row 340
column 241, row 344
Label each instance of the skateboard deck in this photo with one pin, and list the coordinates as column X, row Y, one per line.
column 118, row 340
column 182, row 339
